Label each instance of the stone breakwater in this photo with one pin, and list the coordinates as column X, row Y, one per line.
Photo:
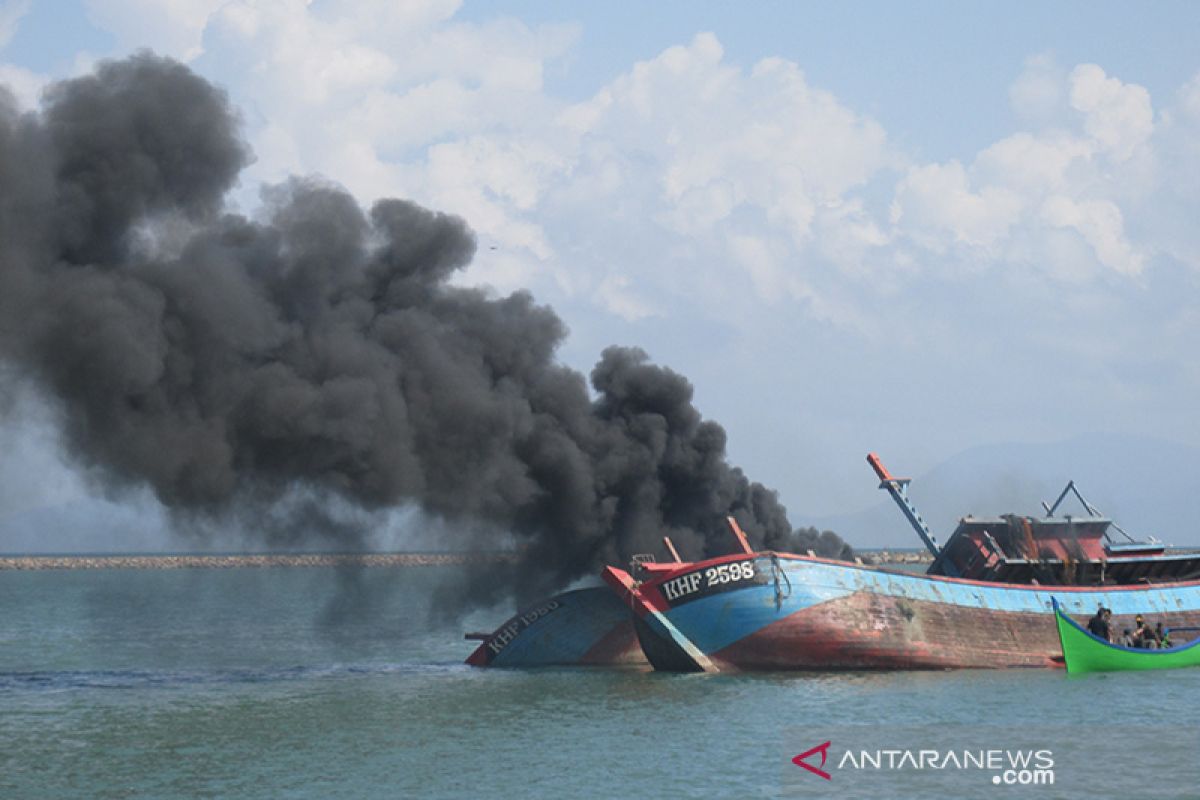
column 894, row 557
column 231, row 561
column 255, row 560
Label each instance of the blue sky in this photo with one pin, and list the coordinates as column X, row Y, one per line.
column 916, row 228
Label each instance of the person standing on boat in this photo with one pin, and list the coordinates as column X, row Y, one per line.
column 1126, row 639
column 1099, row 624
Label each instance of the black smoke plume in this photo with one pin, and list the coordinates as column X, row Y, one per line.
column 226, row 361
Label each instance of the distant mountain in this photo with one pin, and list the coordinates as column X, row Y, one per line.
column 1148, row 486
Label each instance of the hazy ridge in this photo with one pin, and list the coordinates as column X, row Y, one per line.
column 1146, row 485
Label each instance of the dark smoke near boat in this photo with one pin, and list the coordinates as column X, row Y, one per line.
column 319, row 351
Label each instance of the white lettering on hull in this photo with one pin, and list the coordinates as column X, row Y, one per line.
column 692, row 582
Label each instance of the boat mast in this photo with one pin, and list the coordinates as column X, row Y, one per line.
column 1091, row 509
column 898, row 489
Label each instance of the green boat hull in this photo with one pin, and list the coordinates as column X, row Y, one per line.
column 1084, row 652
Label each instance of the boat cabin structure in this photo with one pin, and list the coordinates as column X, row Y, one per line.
column 1048, row 550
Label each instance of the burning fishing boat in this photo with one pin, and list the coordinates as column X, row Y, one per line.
column 582, row 627
column 986, row 600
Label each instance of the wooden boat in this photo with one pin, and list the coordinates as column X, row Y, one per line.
column 984, row 602
column 1083, row 651
column 579, row 627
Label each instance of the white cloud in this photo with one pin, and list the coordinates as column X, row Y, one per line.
column 935, row 204
column 749, row 163
column 1037, row 93
column 720, row 138
column 1118, row 116
column 173, row 27
column 11, row 13
column 681, row 146
column 25, row 86
column 758, row 259
column 712, row 168
column 850, row 238
column 492, row 184
column 1189, row 100
column 1051, row 199
column 616, row 295
column 1101, row 225
column 1030, row 164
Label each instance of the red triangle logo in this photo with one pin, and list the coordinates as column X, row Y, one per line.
column 823, row 749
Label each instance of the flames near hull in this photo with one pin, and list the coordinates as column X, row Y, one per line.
column 780, row 612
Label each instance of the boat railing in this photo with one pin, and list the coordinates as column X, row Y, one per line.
column 638, row 562
column 1191, row 629
column 1091, row 509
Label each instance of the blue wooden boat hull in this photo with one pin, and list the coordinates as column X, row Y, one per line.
column 778, row 611
column 583, row 627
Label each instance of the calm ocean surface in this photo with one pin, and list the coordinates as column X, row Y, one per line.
column 320, row 683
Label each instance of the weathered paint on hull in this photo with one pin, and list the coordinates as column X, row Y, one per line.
column 808, row 613
column 587, row 627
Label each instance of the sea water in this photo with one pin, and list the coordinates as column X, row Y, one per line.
column 330, row 683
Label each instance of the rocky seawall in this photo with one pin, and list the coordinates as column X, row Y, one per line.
column 249, row 560
column 895, row 556
column 263, row 560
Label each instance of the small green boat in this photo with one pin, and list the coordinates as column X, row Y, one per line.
column 1083, row 651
